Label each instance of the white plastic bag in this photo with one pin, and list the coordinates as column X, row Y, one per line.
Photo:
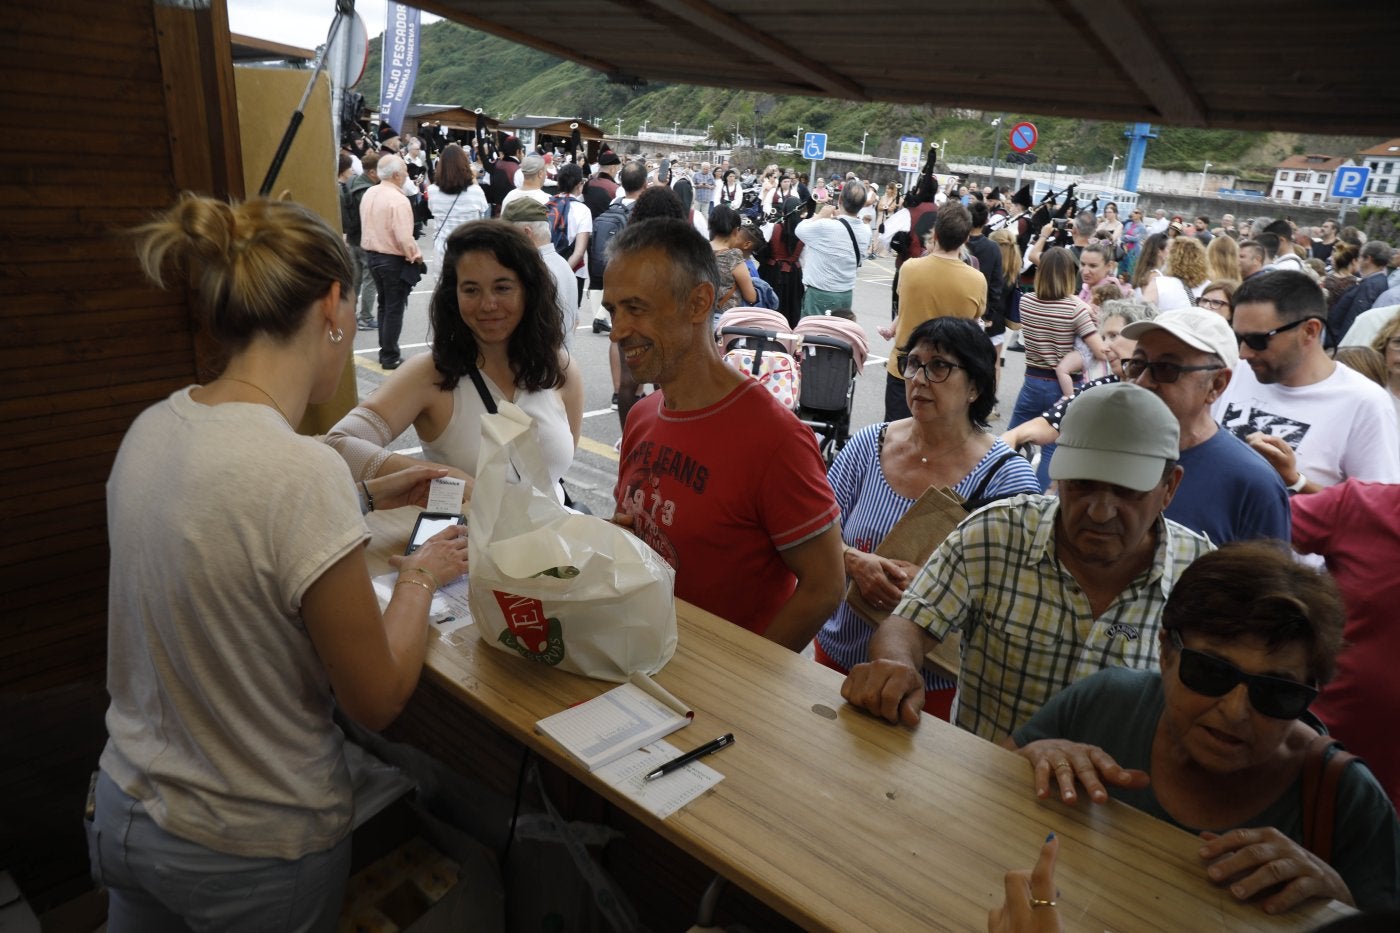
column 569, row 590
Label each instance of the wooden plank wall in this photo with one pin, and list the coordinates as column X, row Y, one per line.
column 115, row 105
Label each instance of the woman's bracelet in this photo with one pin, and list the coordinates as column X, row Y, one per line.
column 369, row 499
column 425, row 586
column 427, row 573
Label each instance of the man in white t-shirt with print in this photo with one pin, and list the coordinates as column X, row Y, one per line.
column 1317, row 422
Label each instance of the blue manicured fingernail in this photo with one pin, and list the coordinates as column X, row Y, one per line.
column 1049, row 837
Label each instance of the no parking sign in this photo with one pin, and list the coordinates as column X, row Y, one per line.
column 1024, row 136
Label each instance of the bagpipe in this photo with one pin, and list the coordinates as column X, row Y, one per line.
column 1058, row 217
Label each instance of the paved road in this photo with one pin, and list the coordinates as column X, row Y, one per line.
column 594, row 471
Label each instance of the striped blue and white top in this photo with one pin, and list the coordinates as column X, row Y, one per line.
column 870, row 508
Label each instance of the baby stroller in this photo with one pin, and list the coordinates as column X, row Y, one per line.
column 833, row 353
column 757, row 341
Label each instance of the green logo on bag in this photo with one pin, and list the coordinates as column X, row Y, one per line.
column 553, row 649
column 528, row 631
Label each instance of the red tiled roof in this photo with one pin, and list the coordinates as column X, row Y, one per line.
column 1390, row 148
column 1321, row 163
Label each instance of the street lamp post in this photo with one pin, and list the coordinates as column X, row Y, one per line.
column 797, row 138
column 943, row 150
column 1111, row 166
column 643, row 129
column 1202, row 189
column 619, row 126
column 675, row 126
column 862, row 141
column 996, row 147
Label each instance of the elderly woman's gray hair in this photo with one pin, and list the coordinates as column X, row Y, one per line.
column 1131, row 310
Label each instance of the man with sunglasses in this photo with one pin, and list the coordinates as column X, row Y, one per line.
column 1315, row 421
column 1187, row 359
column 1045, row 590
column 1221, row 742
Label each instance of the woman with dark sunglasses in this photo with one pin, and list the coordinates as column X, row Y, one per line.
column 1218, row 742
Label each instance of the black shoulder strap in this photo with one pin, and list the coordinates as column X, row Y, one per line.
column 990, row 475
column 486, row 398
column 852, row 234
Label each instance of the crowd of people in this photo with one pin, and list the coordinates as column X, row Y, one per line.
column 1136, row 615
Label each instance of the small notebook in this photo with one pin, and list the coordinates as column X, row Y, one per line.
column 624, row 719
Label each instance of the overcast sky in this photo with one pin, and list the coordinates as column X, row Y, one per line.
column 302, row 23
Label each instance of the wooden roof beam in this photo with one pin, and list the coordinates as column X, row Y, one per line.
column 735, row 32
column 1128, row 37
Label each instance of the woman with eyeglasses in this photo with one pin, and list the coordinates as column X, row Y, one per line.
column 1220, row 741
column 1387, row 343
column 1218, row 294
column 950, row 378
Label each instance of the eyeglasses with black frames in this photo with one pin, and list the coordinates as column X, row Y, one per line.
column 1275, row 697
column 935, row 370
column 1214, row 304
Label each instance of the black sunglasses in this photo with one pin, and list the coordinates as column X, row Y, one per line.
column 1275, row 697
column 935, row 370
column 1162, row 371
column 1260, row 341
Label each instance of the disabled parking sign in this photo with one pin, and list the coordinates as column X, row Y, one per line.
column 814, row 147
column 1350, row 181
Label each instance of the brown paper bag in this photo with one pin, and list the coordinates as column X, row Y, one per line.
column 913, row 538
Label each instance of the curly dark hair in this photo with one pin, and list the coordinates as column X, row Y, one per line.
column 534, row 346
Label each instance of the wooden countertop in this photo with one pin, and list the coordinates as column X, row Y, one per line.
column 843, row 822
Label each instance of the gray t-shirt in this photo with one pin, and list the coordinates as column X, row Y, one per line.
column 1118, row 709
column 220, row 518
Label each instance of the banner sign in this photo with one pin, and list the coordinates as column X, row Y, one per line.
column 400, row 64
column 911, row 153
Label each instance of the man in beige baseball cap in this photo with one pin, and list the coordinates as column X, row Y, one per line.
column 1045, row 590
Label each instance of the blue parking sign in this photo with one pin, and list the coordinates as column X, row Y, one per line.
column 814, row 146
column 1350, row 181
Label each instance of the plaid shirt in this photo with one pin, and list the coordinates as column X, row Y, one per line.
column 1027, row 628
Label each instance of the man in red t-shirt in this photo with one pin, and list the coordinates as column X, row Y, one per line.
column 715, row 475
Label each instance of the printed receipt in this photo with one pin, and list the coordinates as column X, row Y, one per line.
column 449, row 611
column 445, row 495
column 666, row 794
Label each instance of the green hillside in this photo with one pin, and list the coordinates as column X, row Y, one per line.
column 464, row 67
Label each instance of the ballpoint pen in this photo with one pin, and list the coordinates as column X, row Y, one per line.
column 708, row 748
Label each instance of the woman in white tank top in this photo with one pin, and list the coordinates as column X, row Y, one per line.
column 494, row 315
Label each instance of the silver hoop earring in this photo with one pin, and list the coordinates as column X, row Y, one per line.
column 337, row 335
